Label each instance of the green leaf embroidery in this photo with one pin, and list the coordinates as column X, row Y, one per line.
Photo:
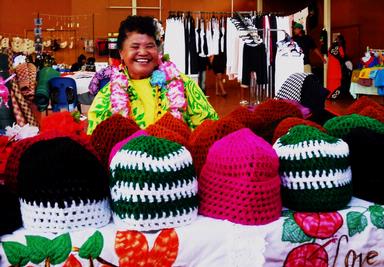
column 60, row 248
column 134, row 111
column 356, row 222
column 39, row 247
column 99, row 106
column 377, row 216
column 17, row 254
column 293, row 233
column 92, row 247
column 140, row 117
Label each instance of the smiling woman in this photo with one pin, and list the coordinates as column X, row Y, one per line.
column 147, row 85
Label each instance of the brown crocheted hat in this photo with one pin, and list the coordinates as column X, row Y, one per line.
column 245, row 116
column 207, row 135
column 362, row 103
column 288, row 123
column 273, row 111
column 170, row 122
column 109, row 133
column 373, row 112
column 165, row 133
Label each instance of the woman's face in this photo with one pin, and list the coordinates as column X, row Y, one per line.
column 140, row 55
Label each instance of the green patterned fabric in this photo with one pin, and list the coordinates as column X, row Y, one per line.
column 314, row 169
column 342, row 125
column 198, row 108
column 153, row 185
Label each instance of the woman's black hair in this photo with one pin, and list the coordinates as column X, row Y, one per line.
column 140, row 24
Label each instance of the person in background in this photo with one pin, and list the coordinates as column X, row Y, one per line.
column 148, row 85
column 218, row 67
column 79, row 64
column 90, row 64
column 307, row 44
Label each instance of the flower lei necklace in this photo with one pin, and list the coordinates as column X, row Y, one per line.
column 166, row 77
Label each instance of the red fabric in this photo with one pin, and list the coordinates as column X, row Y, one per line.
column 273, row 111
column 162, row 132
column 109, row 132
column 362, row 103
column 207, row 134
column 334, row 73
column 12, row 166
column 240, row 180
column 288, row 123
column 170, row 122
column 63, row 122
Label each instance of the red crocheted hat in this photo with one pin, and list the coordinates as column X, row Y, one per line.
column 373, row 112
column 109, row 133
column 362, row 103
column 246, row 117
column 207, row 135
column 288, row 123
column 170, row 122
column 12, row 167
column 196, row 132
column 273, row 111
column 240, row 180
column 162, row 132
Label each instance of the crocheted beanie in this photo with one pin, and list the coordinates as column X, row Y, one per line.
column 12, row 166
column 341, row 126
column 168, row 121
column 62, row 187
column 376, row 113
column 362, row 103
column 273, row 111
column 306, row 89
column 10, row 210
column 197, row 131
column 153, row 185
column 288, row 123
column 109, row 133
column 314, row 169
column 162, row 132
column 246, row 117
column 367, row 172
column 120, row 144
column 208, row 134
column 64, row 122
column 240, row 181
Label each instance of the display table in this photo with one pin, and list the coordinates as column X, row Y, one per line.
column 350, row 237
column 357, row 89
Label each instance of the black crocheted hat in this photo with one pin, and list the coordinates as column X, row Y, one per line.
column 10, row 210
column 365, row 148
column 62, row 187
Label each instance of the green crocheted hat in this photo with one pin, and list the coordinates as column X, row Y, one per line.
column 153, row 185
column 341, row 126
column 314, row 169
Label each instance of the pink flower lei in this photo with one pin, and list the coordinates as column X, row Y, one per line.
column 173, row 84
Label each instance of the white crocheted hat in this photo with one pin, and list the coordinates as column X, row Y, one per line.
column 62, row 187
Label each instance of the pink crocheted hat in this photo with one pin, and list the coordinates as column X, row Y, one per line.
column 240, row 180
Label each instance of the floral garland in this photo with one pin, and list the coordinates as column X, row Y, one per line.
column 166, row 77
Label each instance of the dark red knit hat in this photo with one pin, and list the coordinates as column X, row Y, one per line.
column 196, row 132
column 12, row 167
column 373, row 112
column 286, row 124
column 170, row 122
column 207, row 135
column 273, row 111
column 362, row 103
column 109, row 133
column 245, row 116
column 162, row 132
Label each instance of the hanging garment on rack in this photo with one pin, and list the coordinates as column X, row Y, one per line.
column 174, row 43
column 191, row 60
column 254, row 59
column 284, row 24
column 288, row 61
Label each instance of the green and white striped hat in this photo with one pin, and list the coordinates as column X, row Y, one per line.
column 314, row 169
column 153, row 185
